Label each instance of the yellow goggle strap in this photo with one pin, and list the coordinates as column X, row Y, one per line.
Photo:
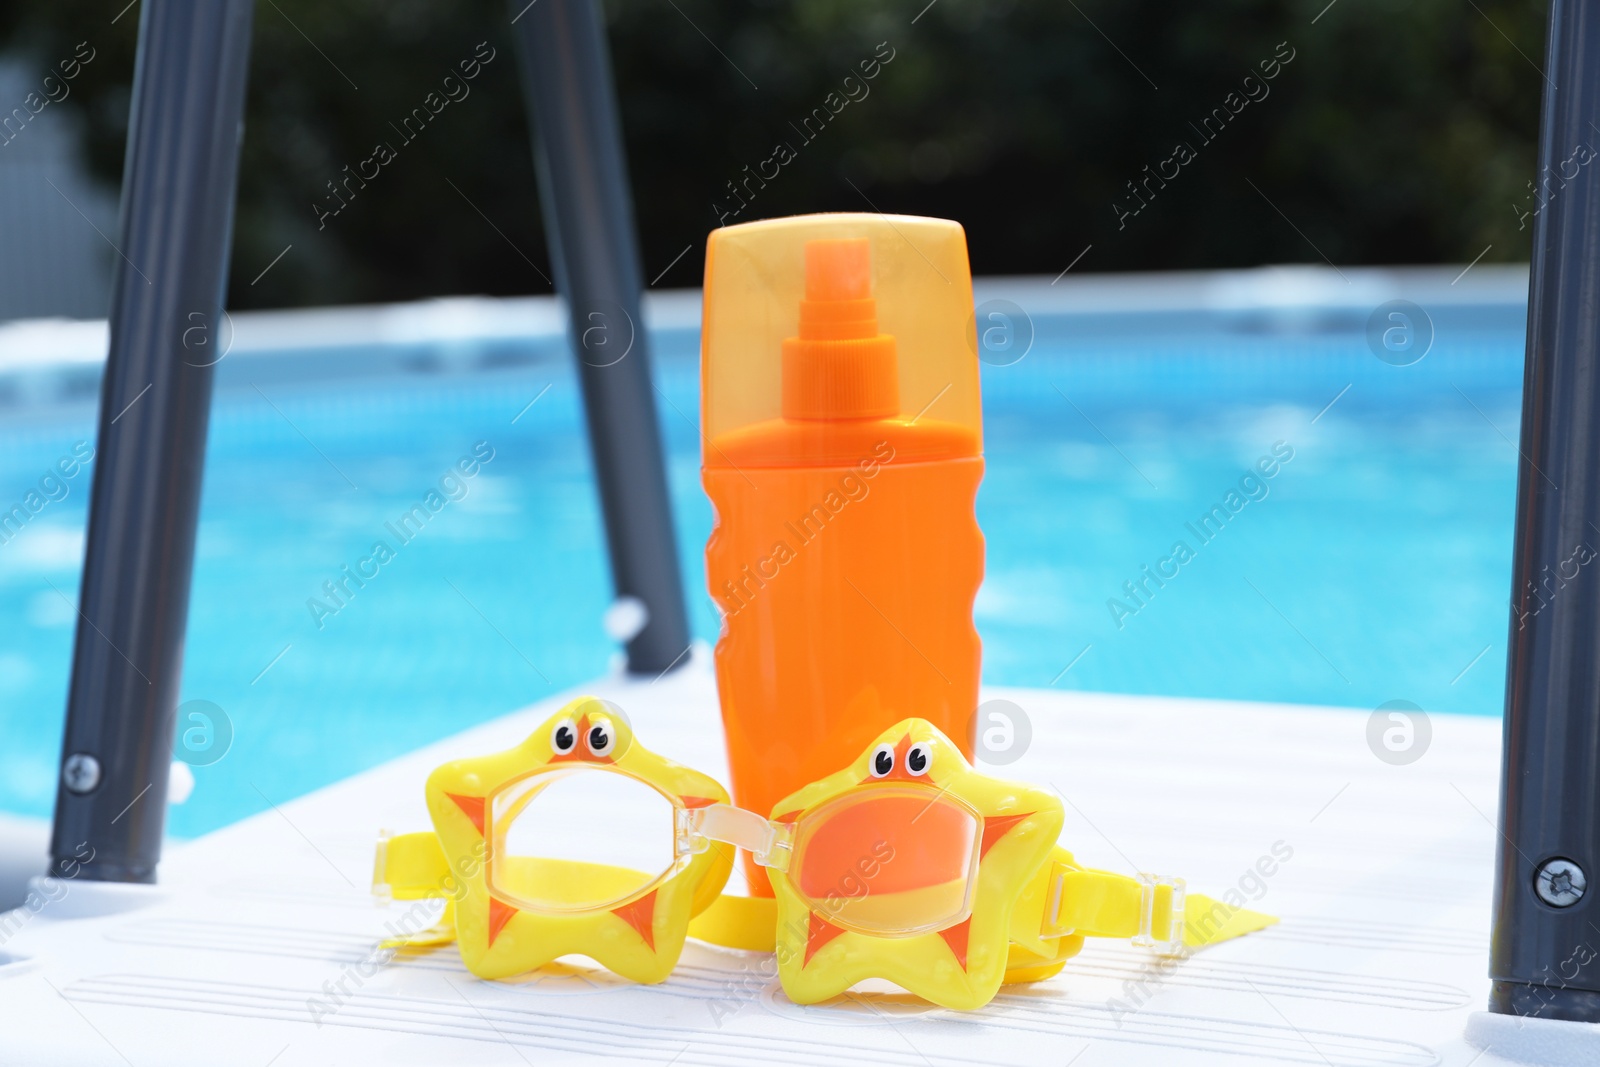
column 411, row 867
column 414, row 867
column 748, row 923
column 1065, row 903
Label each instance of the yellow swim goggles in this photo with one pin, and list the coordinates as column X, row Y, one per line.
column 907, row 865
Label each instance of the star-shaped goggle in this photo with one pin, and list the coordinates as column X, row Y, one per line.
column 906, row 865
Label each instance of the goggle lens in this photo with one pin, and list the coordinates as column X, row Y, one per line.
column 578, row 839
column 890, row 861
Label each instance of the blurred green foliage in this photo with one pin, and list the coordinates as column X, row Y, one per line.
column 1401, row 132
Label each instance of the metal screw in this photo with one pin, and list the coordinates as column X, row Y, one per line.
column 1560, row 883
column 81, row 772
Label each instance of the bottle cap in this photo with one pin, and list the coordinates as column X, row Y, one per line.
column 832, row 321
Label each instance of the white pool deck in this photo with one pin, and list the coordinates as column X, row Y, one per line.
column 258, row 947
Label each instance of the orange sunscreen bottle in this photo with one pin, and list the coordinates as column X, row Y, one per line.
column 843, row 450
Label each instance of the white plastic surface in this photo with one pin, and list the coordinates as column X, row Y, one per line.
column 1539, row 1042
column 57, row 899
column 264, row 952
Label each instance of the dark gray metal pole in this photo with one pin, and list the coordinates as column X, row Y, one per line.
column 1543, row 957
column 588, row 219
column 177, row 222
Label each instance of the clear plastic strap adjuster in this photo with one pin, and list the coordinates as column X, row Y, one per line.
column 381, row 893
column 1164, row 938
column 1052, row 926
column 769, row 842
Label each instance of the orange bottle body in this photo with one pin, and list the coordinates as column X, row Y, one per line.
column 846, row 590
column 843, row 451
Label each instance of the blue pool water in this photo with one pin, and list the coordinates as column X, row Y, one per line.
column 1373, row 565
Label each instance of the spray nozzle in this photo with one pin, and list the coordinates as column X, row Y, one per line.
column 840, row 366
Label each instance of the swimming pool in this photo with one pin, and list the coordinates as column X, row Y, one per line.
column 1371, row 564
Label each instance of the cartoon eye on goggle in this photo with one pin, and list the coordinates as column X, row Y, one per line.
column 601, row 738
column 564, row 737
column 919, row 757
column 882, row 761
